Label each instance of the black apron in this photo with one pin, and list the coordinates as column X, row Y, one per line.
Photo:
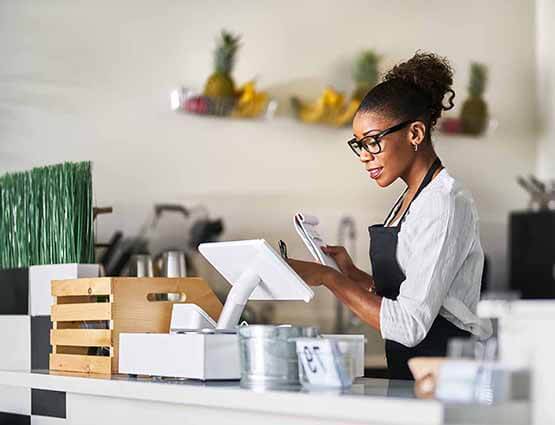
column 388, row 277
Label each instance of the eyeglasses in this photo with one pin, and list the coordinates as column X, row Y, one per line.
column 371, row 142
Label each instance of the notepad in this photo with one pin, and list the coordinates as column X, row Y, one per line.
column 306, row 226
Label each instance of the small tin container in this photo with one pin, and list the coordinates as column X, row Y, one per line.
column 268, row 355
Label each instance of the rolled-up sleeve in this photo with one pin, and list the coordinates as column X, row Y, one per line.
column 440, row 240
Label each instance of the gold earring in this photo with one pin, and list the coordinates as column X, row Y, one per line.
column 416, row 147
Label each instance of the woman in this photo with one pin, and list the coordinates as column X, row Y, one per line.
column 426, row 257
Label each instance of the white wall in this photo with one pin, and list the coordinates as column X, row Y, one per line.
column 545, row 39
column 90, row 80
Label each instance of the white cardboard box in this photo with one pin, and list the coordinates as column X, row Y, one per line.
column 191, row 355
column 40, row 298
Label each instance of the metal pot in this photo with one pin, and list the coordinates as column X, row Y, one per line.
column 268, row 355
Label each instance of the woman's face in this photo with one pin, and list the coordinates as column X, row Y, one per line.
column 397, row 152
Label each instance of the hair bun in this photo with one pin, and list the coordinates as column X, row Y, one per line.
column 432, row 76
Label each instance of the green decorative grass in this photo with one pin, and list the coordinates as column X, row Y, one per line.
column 46, row 216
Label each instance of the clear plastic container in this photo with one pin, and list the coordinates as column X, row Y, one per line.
column 345, row 360
column 322, row 364
column 353, row 345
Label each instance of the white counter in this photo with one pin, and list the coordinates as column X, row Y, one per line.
column 123, row 399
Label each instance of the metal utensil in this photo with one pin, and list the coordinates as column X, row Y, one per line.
column 538, row 185
column 140, row 265
column 173, row 264
column 540, row 198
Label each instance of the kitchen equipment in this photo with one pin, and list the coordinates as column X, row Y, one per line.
column 140, row 265
column 205, row 230
column 202, row 230
column 107, row 257
column 132, row 306
column 198, row 228
column 173, row 264
column 123, row 251
column 268, row 355
column 256, row 271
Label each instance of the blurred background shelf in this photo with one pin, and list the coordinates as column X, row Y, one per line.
column 247, row 105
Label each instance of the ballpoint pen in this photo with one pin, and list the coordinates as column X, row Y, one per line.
column 283, row 249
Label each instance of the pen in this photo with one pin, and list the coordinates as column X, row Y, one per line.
column 283, row 249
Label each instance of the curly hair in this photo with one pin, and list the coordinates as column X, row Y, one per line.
column 414, row 89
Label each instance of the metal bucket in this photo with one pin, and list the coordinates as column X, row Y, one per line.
column 268, row 355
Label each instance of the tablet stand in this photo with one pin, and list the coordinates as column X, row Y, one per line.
column 237, row 299
column 256, row 272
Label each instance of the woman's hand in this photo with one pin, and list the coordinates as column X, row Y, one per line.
column 341, row 257
column 314, row 274
column 353, row 293
column 347, row 267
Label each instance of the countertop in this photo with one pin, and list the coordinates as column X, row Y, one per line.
column 380, row 400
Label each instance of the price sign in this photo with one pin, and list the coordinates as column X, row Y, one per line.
column 322, row 363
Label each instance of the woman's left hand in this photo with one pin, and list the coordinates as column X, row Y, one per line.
column 314, row 274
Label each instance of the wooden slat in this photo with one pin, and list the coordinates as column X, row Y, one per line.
column 67, row 325
column 54, row 324
column 84, row 364
column 85, row 311
column 81, row 337
column 75, row 299
column 78, row 374
column 85, row 286
column 68, row 349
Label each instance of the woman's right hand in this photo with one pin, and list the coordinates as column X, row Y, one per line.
column 341, row 257
column 347, row 267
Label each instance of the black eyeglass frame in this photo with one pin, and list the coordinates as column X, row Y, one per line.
column 355, row 144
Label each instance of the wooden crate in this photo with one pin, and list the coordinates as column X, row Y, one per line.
column 118, row 305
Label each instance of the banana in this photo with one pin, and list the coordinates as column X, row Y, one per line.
column 334, row 100
column 317, row 111
column 320, row 110
column 312, row 113
column 346, row 114
column 250, row 103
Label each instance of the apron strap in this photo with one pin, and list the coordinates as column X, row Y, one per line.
column 425, row 182
column 396, row 206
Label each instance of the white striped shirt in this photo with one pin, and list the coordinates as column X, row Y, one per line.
column 441, row 256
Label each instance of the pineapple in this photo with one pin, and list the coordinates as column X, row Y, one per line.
column 220, row 83
column 474, row 114
column 365, row 73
